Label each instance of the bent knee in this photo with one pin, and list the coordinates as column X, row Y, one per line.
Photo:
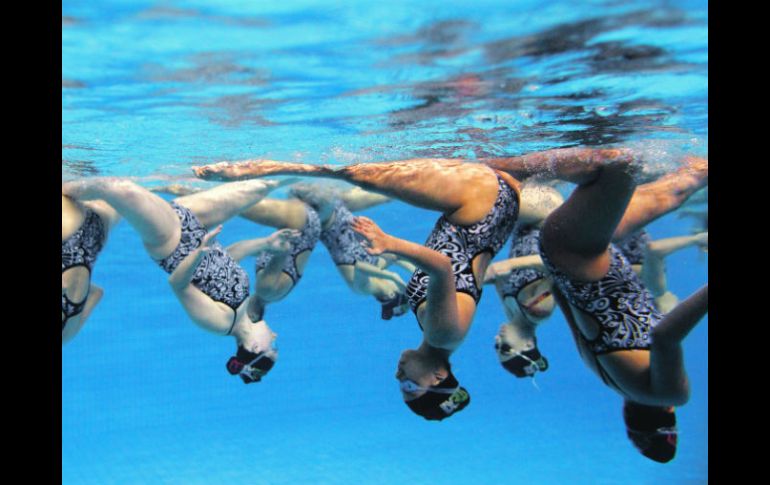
column 678, row 396
column 274, row 288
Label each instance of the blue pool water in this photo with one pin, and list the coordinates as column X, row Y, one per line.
column 152, row 88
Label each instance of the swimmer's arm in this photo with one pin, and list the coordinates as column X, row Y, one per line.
column 406, row 265
column 250, row 247
column 393, row 259
column 577, row 165
column 376, row 272
column 358, row 199
column 442, row 327
column 204, row 311
column 661, row 248
column 182, row 275
column 504, row 268
column 428, row 260
column 95, row 294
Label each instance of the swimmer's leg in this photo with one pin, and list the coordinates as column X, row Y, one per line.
column 654, row 268
column 668, row 378
column 577, row 234
column 272, row 283
column 655, row 199
column 277, row 213
column 215, row 206
column 447, row 186
column 152, row 217
column 576, row 165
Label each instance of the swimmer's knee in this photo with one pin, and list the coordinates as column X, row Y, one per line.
column 273, row 288
column 663, row 339
column 676, row 397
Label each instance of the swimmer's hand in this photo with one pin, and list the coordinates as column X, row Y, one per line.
column 377, row 242
column 282, row 241
column 182, row 276
column 208, row 239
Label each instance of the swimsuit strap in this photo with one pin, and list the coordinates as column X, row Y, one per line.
column 71, row 309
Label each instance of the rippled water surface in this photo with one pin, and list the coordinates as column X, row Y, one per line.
column 151, row 88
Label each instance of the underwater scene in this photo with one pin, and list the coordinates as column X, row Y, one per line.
column 312, row 389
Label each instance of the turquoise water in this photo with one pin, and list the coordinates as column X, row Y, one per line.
column 152, row 88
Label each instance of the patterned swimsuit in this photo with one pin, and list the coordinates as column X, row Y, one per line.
column 524, row 242
column 307, row 240
column 633, row 246
column 463, row 243
column 217, row 275
column 619, row 302
column 81, row 249
column 344, row 244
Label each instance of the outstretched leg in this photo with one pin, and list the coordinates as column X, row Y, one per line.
column 463, row 191
column 214, row 206
column 656, row 199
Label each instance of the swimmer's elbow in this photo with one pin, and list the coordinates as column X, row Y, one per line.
column 177, row 283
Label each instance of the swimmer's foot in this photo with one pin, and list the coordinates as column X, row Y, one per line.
column 697, row 165
column 395, row 306
column 652, row 430
column 222, row 171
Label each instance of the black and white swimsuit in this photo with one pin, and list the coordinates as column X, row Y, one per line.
column 633, row 246
column 343, row 243
column 463, row 243
column 81, row 249
column 619, row 302
column 307, row 240
column 525, row 241
column 217, row 275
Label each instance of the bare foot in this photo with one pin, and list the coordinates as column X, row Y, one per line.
column 218, row 171
column 697, row 165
